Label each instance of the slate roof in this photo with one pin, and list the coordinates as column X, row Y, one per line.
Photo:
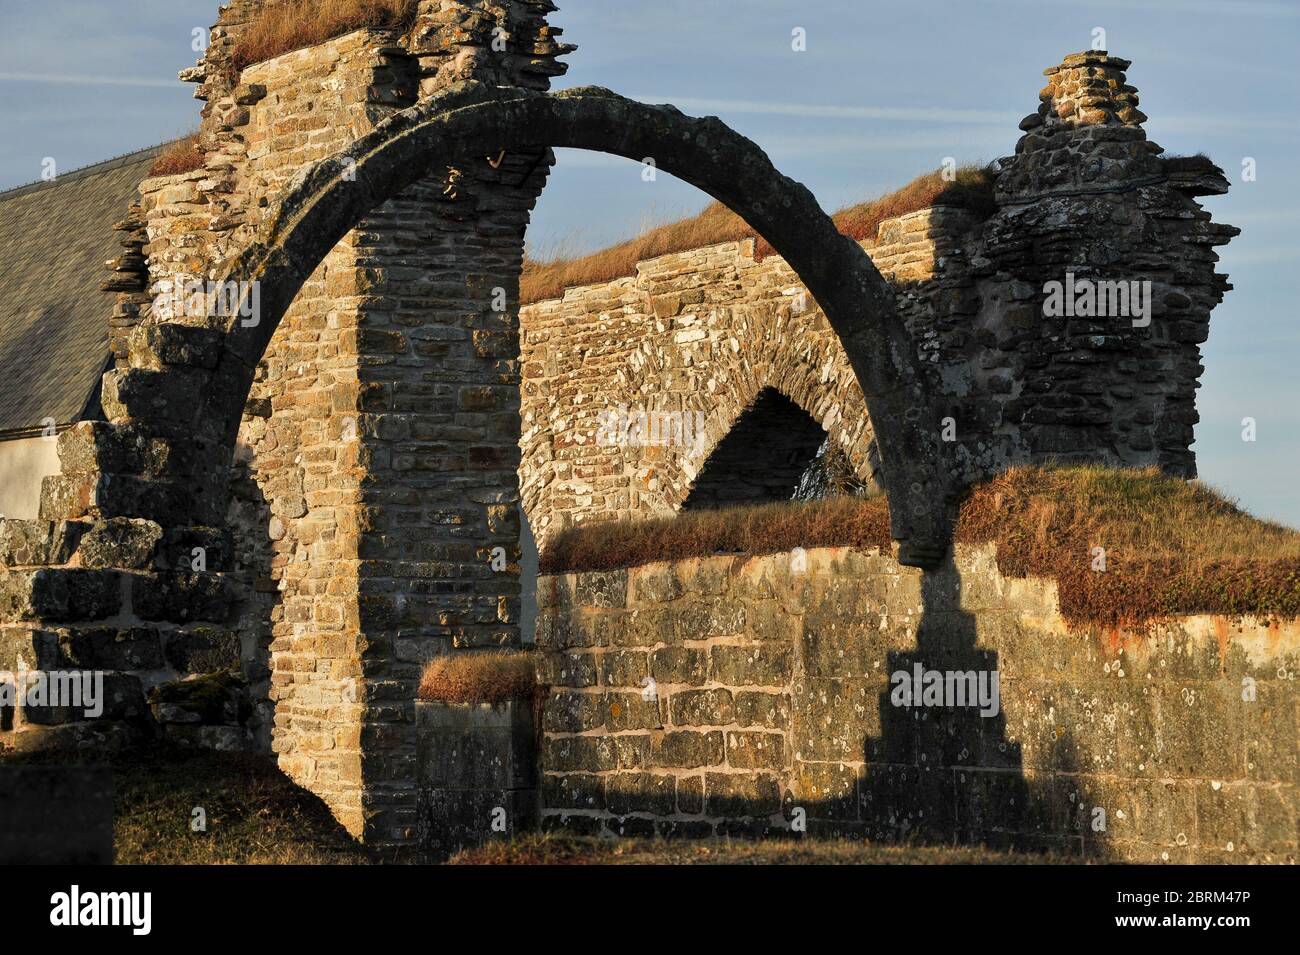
column 54, row 240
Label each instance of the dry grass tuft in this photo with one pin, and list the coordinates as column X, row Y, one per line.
column 184, row 155
column 496, row 676
column 761, row 529
column 546, row 279
column 294, row 24
column 1172, row 546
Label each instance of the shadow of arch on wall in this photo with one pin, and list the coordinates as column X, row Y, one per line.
column 328, row 198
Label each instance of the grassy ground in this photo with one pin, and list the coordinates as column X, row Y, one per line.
column 1171, row 546
column 567, row 850
column 257, row 815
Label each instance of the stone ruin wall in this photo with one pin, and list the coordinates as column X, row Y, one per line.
column 693, row 333
column 351, row 556
column 1085, row 192
column 720, row 696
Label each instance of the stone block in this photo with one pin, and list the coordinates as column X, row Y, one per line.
column 582, row 791
column 465, row 746
column 652, row 793
column 686, row 749
column 203, row 650
column 119, row 542
column 755, row 750
column 71, row 696
column 679, row 665
column 181, row 596
column 214, row 698
column 741, row 795
column 59, row 594
column 448, row 821
column 702, row 707
column 109, row 648
column 755, row 664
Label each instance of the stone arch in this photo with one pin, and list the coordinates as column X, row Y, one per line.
column 327, row 198
column 760, row 458
column 159, row 468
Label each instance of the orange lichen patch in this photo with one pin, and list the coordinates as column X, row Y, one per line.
column 1172, row 547
column 972, row 188
column 294, row 24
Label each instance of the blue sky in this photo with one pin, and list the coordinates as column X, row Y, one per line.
column 884, row 91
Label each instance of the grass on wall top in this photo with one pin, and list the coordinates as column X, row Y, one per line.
column 547, row 279
column 183, row 155
column 293, row 24
column 1171, row 546
column 497, row 676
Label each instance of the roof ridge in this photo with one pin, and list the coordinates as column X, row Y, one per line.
column 104, row 165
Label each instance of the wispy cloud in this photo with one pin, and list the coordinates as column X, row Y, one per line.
column 82, row 79
column 909, row 114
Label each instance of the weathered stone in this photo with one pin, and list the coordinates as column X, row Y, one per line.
column 119, row 542
column 58, row 595
column 207, row 699
column 203, row 650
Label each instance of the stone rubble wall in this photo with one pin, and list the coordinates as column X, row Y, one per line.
column 350, row 556
column 287, row 602
column 733, row 695
column 705, row 330
column 698, row 332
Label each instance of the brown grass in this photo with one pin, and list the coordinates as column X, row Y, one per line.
column 496, row 676
column 294, row 24
column 1172, row 547
column 546, row 279
column 183, row 155
column 759, row 529
column 562, row 849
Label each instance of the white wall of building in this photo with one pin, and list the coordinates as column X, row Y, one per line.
column 23, row 463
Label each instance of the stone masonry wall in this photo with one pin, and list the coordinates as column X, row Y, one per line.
column 1085, row 195
column 376, row 468
column 746, row 695
column 701, row 332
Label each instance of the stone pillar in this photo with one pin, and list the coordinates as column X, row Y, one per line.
column 1088, row 197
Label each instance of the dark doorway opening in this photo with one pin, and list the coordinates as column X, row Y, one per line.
column 770, row 447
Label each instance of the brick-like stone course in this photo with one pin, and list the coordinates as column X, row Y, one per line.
column 761, row 700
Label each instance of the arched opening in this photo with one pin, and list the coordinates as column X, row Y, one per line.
column 191, row 383
column 764, row 456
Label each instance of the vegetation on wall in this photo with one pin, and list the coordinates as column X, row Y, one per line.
column 971, row 189
column 1167, row 546
column 492, row 677
column 181, row 156
column 294, row 24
